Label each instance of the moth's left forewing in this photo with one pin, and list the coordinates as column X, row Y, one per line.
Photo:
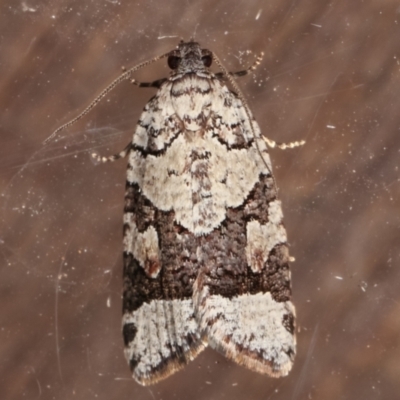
column 242, row 292
column 159, row 327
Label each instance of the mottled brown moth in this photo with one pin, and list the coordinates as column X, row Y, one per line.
column 206, row 259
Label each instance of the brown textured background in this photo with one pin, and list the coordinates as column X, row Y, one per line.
column 330, row 75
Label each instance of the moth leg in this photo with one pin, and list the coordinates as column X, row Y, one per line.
column 156, row 84
column 246, row 71
column 101, row 159
column 271, row 143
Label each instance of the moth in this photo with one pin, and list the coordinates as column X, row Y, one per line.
column 206, row 260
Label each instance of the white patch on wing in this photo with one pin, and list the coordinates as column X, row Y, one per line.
column 158, row 119
column 169, row 181
column 249, row 329
column 144, row 246
column 261, row 239
column 167, row 337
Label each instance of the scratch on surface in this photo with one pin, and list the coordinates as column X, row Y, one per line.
column 40, row 388
column 303, row 373
column 56, row 330
column 320, row 105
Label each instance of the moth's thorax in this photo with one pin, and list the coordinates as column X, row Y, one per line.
column 191, row 95
column 191, row 55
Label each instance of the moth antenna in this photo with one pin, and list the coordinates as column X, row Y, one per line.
column 127, row 74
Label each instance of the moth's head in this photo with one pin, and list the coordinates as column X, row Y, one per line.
column 189, row 57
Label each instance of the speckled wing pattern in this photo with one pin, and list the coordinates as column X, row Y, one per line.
column 205, row 250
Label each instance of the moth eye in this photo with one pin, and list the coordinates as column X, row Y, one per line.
column 207, row 60
column 173, row 62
